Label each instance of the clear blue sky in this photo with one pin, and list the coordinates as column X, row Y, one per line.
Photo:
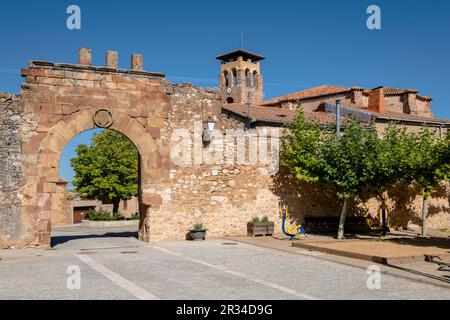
column 307, row 43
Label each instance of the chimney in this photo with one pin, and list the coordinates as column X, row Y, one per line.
column 376, row 101
column 137, row 62
column 112, row 58
column 85, row 56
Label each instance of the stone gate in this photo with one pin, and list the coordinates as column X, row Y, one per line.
column 59, row 101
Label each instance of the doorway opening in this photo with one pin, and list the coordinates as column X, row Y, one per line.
column 99, row 193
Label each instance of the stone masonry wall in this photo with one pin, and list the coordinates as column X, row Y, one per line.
column 58, row 102
column 10, row 169
column 226, row 196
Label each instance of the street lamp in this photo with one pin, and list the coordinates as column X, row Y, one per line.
column 210, row 125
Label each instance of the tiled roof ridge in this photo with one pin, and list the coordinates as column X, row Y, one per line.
column 388, row 91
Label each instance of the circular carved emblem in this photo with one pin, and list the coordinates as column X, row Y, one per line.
column 103, row 118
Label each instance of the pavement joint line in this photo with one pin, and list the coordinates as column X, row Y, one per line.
column 238, row 274
column 125, row 284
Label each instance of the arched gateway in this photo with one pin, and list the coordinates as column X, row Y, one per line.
column 61, row 101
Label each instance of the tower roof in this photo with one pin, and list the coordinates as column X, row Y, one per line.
column 242, row 53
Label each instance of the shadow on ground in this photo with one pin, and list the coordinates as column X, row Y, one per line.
column 443, row 243
column 57, row 240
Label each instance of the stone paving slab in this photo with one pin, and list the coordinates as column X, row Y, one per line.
column 420, row 271
column 382, row 251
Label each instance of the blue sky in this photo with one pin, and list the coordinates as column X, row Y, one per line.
column 307, row 43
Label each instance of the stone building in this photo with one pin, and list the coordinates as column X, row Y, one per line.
column 206, row 155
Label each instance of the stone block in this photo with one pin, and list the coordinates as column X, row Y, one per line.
column 49, row 187
column 112, row 59
column 45, row 239
column 155, row 132
column 85, row 56
column 155, row 122
column 164, row 151
column 153, row 160
column 151, row 199
column 137, row 62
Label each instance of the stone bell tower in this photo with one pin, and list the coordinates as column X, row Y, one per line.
column 240, row 77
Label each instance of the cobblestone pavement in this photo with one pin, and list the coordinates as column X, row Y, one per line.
column 113, row 267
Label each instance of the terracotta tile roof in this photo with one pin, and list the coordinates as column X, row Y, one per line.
column 397, row 91
column 332, row 90
column 284, row 116
column 275, row 115
column 392, row 116
column 313, row 92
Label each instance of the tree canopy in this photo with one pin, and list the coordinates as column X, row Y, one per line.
column 359, row 160
column 107, row 169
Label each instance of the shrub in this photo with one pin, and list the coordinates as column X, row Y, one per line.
column 265, row 219
column 255, row 219
column 199, row 226
column 100, row 215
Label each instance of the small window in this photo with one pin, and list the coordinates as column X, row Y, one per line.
column 235, row 77
column 255, row 73
column 227, row 79
column 248, row 79
column 230, row 100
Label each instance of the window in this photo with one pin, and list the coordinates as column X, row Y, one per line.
column 248, row 79
column 227, row 78
column 255, row 73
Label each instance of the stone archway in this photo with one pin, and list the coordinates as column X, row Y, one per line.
column 39, row 187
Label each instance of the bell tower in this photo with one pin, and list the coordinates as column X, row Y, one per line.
column 240, row 77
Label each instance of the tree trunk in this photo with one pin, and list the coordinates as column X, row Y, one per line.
column 342, row 220
column 116, row 203
column 424, row 214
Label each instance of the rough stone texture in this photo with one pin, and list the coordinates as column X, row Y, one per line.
column 60, row 101
column 85, row 56
column 60, row 205
column 11, row 229
column 112, row 59
column 224, row 197
column 243, row 79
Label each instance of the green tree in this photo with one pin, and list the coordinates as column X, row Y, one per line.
column 347, row 163
column 107, row 169
column 350, row 165
column 301, row 147
column 429, row 166
column 361, row 161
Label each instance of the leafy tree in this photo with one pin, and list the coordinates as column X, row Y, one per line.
column 348, row 163
column 360, row 160
column 301, row 147
column 429, row 166
column 107, row 169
